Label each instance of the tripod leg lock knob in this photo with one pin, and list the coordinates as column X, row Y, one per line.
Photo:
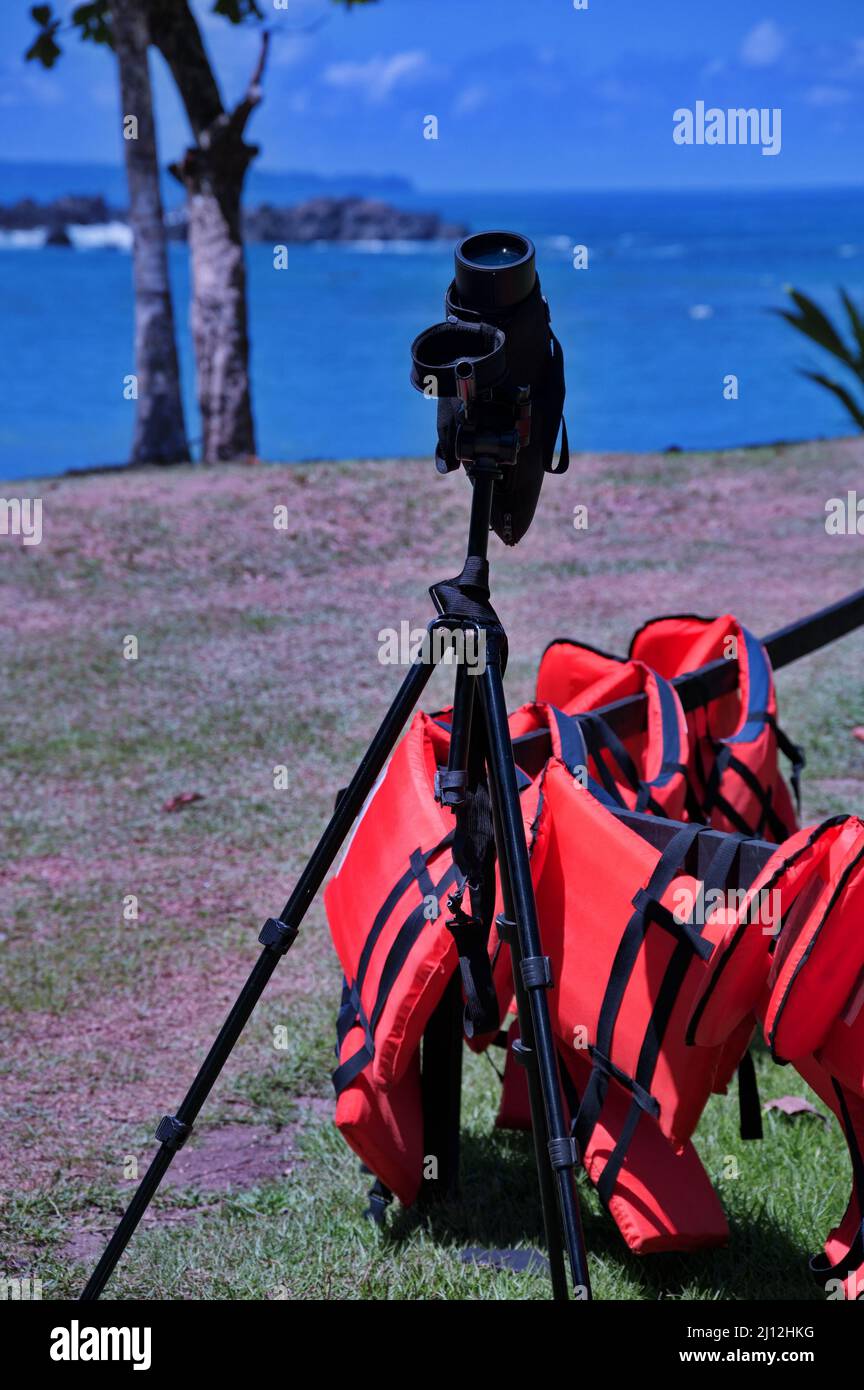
column 563, row 1153
column 537, row 972
column 173, row 1132
column 278, row 935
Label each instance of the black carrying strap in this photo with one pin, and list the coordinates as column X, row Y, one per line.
column 482, row 1012
column 749, row 1105
column 474, row 855
column 553, row 387
column 352, row 1011
column 853, row 1260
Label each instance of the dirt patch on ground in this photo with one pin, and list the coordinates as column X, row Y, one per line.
column 213, row 1162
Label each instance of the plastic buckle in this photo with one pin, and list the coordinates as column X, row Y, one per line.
column 563, row 1153
column 537, row 972
column 172, row 1132
column 277, row 935
column 450, row 786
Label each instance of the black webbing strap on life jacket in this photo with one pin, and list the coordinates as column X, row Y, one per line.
column 648, row 910
column 351, row 1011
column 755, row 720
column 574, row 754
column 749, row 1104
column 795, row 753
column 853, row 1260
column 482, row 1011
column 599, row 738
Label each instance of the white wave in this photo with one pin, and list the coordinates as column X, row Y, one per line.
column 376, row 246
column 33, row 239
column 102, row 234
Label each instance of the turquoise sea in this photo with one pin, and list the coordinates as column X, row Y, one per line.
column 675, row 298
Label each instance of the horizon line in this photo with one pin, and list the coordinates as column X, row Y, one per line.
column 721, row 188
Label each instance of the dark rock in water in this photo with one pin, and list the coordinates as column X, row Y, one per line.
column 344, row 219
column 318, row 219
column 58, row 236
column 27, row 213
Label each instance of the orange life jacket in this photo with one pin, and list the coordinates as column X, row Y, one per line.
column 621, row 923
column 840, row 1267
column 807, row 979
column 733, row 773
column 646, row 771
column 660, row 1199
column 398, row 955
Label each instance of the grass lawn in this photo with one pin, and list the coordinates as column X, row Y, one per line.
column 257, row 647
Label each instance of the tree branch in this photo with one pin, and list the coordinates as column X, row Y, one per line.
column 254, row 93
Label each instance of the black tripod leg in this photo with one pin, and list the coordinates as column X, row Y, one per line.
column 533, row 968
column 528, row 1058
column 276, row 936
column 442, row 1092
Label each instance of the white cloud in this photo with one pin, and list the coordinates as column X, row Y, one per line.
column 471, row 99
column 289, row 49
column 823, row 95
column 376, row 78
column 763, row 45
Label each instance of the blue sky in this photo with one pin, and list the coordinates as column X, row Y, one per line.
column 529, row 93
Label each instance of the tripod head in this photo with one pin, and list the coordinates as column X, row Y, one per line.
column 497, row 372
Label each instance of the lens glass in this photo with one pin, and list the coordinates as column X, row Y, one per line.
column 496, row 256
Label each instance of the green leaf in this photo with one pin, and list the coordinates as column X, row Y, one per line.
column 43, row 49
column 93, row 21
column 857, row 324
column 41, row 15
column 814, row 324
column 238, row 11
column 842, row 395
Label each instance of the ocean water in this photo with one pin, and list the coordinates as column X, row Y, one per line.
column 676, row 297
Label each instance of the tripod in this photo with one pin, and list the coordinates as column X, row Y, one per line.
column 462, row 603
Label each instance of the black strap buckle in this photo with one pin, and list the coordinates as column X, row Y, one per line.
column 279, row 936
column 172, row 1132
column 450, row 787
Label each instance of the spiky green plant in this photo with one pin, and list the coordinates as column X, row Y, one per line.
column 815, row 324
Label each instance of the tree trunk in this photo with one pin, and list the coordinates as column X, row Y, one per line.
column 212, row 172
column 160, row 433
column 218, row 313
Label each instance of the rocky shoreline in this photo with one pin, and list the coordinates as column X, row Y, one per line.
column 317, row 219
